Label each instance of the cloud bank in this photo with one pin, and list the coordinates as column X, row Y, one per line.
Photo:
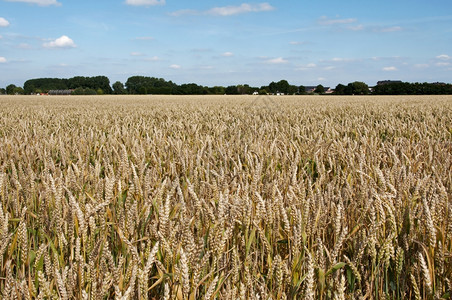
column 227, row 54
column 225, row 11
column 145, row 2
column 4, row 22
column 389, row 69
column 275, row 61
column 39, row 2
column 324, row 20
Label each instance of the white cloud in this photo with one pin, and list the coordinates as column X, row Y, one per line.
column 2, row 60
column 357, row 28
column 324, row 20
column 175, row 67
column 244, row 8
column 39, row 2
column 321, row 79
column 154, row 58
column 329, row 68
column 225, row 11
column 278, row 60
column 443, row 57
column 4, row 22
column 227, row 54
column 341, row 59
column 61, row 42
column 306, row 67
column 443, row 64
column 389, row 69
column 136, row 54
column 145, row 2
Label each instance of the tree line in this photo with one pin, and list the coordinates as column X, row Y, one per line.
column 144, row 85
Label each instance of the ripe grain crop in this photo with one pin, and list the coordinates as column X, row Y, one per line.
column 160, row 197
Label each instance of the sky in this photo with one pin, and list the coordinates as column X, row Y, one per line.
column 227, row 42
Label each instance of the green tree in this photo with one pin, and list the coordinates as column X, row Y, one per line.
column 2, row 91
column 319, row 89
column 10, row 89
column 151, row 85
column 118, row 88
column 18, row 91
column 87, row 91
column 232, row 90
column 45, row 84
column 302, row 90
column 360, row 88
column 244, row 89
column 273, row 87
column 340, row 89
column 216, row 90
column 282, row 86
column 293, row 89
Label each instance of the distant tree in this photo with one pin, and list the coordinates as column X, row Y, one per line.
column 10, row 89
column 244, row 89
column 118, row 88
column 340, row 89
column 216, row 90
column 152, row 85
column 273, row 87
column 90, row 92
column 282, row 86
column 82, row 91
column 231, row 90
column 360, row 88
column 78, row 91
column 101, row 82
column 406, row 88
column 100, row 91
column 302, row 90
column 187, row 89
column 45, row 84
column 18, row 91
column 263, row 92
column 319, row 89
column 2, row 91
column 348, row 89
column 293, row 89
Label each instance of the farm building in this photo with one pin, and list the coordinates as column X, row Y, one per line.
column 311, row 89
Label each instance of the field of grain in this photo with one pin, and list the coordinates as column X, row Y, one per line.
column 161, row 197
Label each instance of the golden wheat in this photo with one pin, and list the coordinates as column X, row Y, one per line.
column 221, row 197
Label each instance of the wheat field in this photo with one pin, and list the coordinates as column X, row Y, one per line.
column 221, row 197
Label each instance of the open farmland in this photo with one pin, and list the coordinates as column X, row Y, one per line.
column 166, row 197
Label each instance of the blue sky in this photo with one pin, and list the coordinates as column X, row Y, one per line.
column 227, row 42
